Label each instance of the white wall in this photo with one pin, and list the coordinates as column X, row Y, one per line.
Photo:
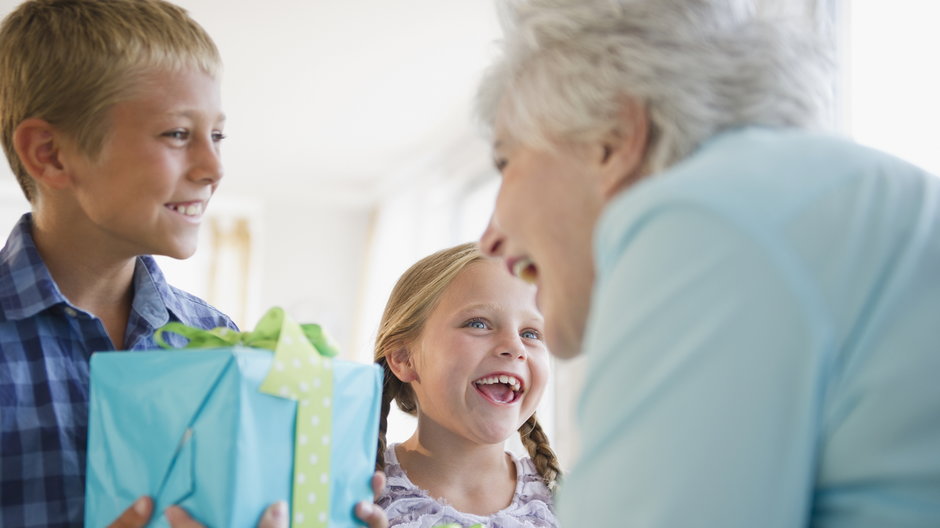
column 313, row 262
column 12, row 202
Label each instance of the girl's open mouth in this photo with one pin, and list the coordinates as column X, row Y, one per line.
column 500, row 388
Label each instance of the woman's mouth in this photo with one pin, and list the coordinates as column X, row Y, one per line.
column 523, row 268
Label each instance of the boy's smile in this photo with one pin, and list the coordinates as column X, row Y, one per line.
column 147, row 189
column 190, row 209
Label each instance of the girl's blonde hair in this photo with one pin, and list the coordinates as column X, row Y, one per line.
column 410, row 304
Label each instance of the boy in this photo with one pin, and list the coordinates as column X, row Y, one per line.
column 110, row 119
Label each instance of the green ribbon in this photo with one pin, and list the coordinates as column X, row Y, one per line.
column 302, row 371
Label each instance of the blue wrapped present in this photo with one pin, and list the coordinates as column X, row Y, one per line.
column 224, row 432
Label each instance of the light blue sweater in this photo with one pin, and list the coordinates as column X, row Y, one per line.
column 764, row 343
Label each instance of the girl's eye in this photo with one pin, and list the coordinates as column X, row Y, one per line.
column 530, row 334
column 500, row 164
column 218, row 136
column 476, row 323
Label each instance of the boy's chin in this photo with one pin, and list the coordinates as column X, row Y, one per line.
column 183, row 255
column 179, row 252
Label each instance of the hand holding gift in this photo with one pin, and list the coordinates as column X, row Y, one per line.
column 227, row 430
column 138, row 515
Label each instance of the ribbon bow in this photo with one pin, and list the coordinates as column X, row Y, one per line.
column 301, row 371
column 265, row 335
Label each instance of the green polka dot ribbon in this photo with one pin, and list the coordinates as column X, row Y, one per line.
column 302, row 371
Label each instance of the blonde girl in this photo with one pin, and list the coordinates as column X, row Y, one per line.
column 462, row 348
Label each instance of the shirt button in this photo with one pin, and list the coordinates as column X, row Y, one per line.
column 69, row 311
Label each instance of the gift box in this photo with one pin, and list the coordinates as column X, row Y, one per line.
column 228, row 428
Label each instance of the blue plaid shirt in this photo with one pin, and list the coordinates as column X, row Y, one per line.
column 45, row 346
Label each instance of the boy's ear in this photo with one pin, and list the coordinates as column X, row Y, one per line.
column 38, row 144
column 624, row 149
column 401, row 365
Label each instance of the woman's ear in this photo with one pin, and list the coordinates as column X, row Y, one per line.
column 401, row 365
column 38, row 144
column 623, row 152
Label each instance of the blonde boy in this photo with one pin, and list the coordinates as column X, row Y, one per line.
column 110, row 119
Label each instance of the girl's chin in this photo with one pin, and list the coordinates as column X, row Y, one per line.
column 492, row 433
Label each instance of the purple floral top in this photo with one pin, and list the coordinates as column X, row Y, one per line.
column 408, row 506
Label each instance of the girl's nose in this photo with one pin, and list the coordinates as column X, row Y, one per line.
column 513, row 348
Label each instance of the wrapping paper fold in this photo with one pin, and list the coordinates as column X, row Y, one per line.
column 224, row 432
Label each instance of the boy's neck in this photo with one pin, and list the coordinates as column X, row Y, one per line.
column 473, row 478
column 95, row 281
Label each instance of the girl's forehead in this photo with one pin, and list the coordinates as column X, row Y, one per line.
column 487, row 285
column 473, row 281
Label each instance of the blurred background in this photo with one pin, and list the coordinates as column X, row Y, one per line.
column 352, row 150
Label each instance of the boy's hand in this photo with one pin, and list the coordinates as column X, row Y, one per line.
column 370, row 513
column 136, row 516
column 139, row 513
column 275, row 516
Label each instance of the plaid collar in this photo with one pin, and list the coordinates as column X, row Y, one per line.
column 32, row 289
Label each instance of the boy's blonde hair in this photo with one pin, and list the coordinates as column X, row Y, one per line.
column 409, row 306
column 68, row 61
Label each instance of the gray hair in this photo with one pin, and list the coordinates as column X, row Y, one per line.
column 697, row 66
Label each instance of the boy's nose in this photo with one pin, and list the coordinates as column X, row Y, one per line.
column 207, row 165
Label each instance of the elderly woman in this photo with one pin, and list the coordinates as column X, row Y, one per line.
column 759, row 302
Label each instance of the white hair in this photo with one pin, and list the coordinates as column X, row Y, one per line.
column 697, row 66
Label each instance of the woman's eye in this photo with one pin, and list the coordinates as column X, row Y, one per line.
column 218, row 136
column 530, row 334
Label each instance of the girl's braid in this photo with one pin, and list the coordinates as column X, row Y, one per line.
column 536, row 443
column 387, row 397
column 392, row 389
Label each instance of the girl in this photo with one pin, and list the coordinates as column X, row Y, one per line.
column 461, row 344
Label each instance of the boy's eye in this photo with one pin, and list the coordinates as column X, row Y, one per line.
column 530, row 334
column 177, row 134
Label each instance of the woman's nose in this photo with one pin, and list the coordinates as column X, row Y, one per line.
column 491, row 242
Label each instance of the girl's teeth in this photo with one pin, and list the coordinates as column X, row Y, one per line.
column 513, row 383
